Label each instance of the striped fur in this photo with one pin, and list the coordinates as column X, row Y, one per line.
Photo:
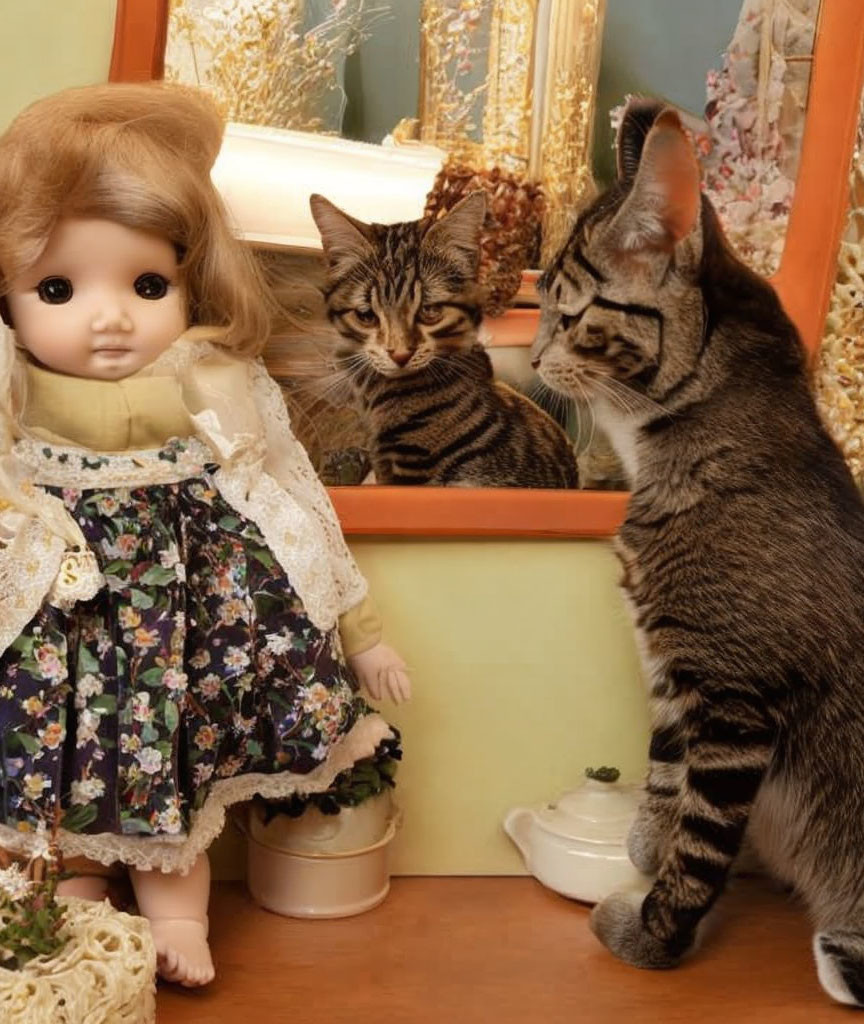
column 742, row 555
column 405, row 301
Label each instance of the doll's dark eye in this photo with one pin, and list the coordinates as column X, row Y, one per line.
column 151, row 286
column 54, row 290
column 366, row 316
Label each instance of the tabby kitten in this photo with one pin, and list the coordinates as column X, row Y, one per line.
column 742, row 554
column 405, row 301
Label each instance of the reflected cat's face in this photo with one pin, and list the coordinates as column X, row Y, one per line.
column 402, row 295
column 622, row 308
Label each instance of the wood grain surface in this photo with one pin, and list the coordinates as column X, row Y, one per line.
column 500, row 950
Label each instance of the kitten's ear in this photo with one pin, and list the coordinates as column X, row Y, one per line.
column 664, row 200
column 459, row 229
column 639, row 115
column 343, row 237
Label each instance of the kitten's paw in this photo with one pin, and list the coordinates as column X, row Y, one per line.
column 840, row 965
column 617, row 923
column 646, row 841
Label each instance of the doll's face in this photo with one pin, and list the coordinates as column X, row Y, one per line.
column 103, row 300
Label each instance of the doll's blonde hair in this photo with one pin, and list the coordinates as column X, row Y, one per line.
column 139, row 155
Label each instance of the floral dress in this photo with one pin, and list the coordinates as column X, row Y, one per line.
column 193, row 678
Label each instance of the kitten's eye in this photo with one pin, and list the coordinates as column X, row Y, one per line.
column 54, row 290
column 366, row 316
column 151, row 286
column 569, row 316
column 430, row 314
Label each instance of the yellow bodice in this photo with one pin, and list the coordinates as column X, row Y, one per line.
column 140, row 411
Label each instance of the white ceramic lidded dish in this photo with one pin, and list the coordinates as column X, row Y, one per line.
column 578, row 845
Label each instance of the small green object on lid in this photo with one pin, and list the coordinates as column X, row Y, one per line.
column 603, row 774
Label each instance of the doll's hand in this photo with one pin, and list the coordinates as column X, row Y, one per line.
column 382, row 673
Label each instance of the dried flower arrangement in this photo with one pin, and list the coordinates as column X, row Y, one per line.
column 30, row 916
column 451, row 93
column 262, row 60
column 511, row 235
column 756, row 112
column 453, row 90
column 840, row 370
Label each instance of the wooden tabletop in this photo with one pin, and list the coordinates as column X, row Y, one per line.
column 496, row 950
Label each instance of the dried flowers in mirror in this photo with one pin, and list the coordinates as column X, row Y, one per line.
column 278, row 63
column 756, row 110
column 840, row 370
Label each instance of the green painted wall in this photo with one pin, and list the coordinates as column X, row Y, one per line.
column 46, row 45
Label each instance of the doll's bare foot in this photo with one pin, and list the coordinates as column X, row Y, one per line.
column 85, row 887
column 182, row 953
column 176, row 907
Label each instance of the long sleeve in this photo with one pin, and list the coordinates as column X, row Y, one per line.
column 360, row 627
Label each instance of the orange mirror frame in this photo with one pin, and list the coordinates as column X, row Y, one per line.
column 804, row 282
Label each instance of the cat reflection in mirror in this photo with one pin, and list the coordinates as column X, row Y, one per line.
column 405, row 302
column 742, row 554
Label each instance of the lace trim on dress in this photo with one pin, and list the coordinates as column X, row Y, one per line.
column 177, row 854
column 290, row 466
column 293, row 532
column 58, row 466
column 229, row 398
column 29, row 562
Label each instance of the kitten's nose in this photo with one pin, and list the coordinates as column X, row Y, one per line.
column 400, row 358
column 535, row 363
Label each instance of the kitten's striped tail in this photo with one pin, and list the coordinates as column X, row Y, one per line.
column 840, row 964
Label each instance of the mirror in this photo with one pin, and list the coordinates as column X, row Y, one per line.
column 778, row 56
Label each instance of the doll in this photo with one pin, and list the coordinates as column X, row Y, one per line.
column 182, row 624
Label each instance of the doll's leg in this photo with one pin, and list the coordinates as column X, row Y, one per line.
column 90, row 880
column 176, row 906
column 85, row 887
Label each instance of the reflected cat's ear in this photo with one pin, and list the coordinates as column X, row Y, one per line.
column 459, row 229
column 343, row 237
column 663, row 204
